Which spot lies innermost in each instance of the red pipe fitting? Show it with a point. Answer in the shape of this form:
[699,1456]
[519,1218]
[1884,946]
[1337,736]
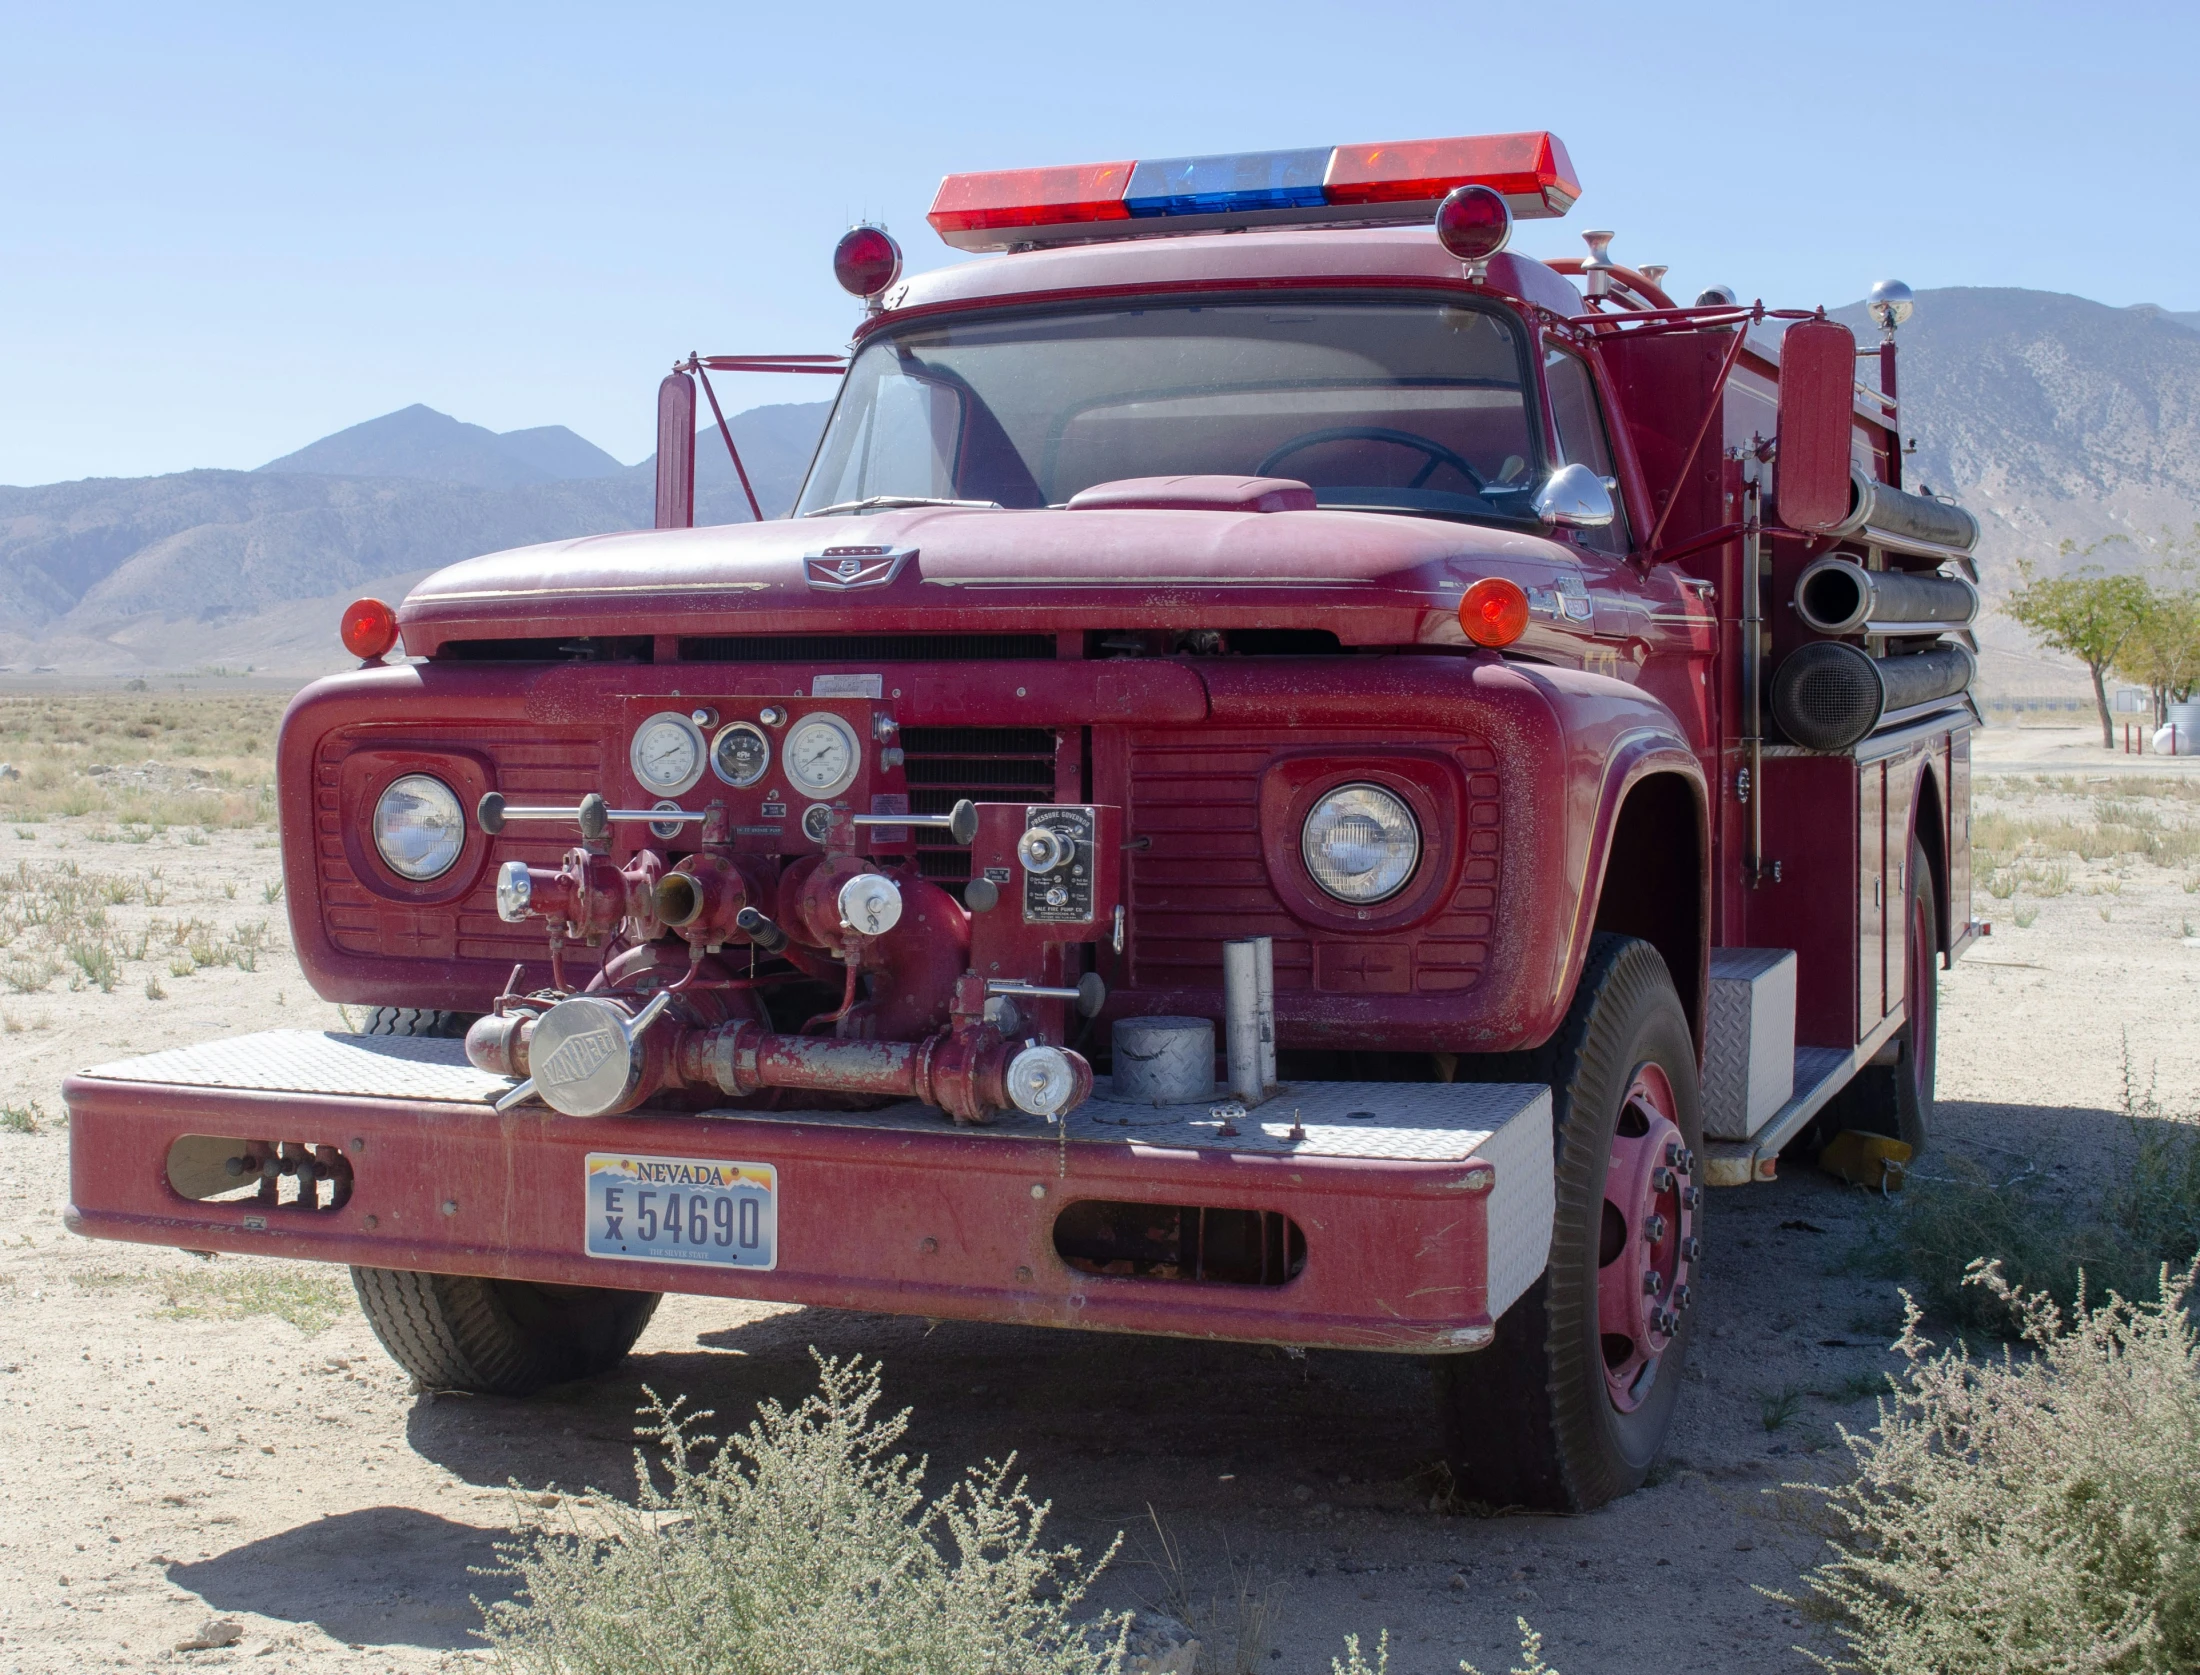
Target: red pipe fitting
[591,894]
[966,1073]
[703,894]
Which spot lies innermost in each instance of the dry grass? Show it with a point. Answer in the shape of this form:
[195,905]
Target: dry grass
[1236,1626]
[87,754]
[59,923]
[2143,1217]
[2040,836]
[312,1296]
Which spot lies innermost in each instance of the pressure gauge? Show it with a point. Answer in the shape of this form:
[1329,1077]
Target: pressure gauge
[667,754]
[822,755]
[741,754]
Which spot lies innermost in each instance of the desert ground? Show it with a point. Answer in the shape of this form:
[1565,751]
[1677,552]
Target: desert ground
[183,1439]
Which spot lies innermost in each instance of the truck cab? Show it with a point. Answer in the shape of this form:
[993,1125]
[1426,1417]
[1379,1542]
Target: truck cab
[1292,775]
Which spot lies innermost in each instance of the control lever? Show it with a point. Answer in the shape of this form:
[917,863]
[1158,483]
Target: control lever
[594,815]
[959,822]
[633,1032]
[767,936]
[1090,994]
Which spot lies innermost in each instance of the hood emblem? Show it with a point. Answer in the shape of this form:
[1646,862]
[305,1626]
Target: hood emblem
[841,568]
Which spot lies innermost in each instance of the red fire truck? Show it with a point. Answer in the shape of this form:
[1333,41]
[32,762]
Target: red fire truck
[1293,776]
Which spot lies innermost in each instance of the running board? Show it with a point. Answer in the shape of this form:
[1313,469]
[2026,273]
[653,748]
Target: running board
[1820,1073]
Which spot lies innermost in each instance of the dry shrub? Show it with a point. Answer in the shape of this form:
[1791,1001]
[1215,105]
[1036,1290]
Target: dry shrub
[2043,1237]
[2038,1514]
[1354,1661]
[801,1547]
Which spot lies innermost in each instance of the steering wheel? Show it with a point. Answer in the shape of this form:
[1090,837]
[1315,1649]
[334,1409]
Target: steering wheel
[1437,453]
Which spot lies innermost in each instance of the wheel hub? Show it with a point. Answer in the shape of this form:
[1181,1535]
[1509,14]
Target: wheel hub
[1647,1248]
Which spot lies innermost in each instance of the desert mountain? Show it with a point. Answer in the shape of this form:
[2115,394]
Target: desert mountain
[230,568]
[2054,419]
[418,441]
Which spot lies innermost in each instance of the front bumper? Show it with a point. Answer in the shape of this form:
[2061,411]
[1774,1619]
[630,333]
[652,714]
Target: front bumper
[1425,1209]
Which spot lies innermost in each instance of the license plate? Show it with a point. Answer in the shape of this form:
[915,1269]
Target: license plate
[683,1209]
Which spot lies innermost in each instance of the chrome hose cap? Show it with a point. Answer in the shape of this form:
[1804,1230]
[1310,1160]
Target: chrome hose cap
[515,891]
[870,904]
[1040,1081]
[583,1057]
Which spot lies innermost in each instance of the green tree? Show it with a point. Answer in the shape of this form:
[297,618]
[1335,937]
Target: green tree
[2089,614]
[2163,652]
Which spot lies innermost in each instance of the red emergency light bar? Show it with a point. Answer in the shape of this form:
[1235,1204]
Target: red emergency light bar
[1392,183]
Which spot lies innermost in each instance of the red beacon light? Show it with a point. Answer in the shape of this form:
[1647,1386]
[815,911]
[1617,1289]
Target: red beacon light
[1494,612]
[1474,224]
[866,261]
[369,629]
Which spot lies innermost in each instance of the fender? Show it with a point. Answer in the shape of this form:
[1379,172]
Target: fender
[1568,748]
[1638,737]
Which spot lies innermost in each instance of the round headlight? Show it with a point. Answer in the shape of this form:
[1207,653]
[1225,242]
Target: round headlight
[1361,843]
[419,827]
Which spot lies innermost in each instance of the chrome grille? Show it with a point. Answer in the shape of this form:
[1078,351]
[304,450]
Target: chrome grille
[985,764]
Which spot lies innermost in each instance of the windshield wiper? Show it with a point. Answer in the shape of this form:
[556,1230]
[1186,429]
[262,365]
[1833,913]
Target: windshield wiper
[896,502]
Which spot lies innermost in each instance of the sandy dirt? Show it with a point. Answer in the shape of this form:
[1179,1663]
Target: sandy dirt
[182,1439]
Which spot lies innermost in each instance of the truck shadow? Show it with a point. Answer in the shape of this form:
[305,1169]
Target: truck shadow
[383,1575]
[1112,1424]
[1127,1420]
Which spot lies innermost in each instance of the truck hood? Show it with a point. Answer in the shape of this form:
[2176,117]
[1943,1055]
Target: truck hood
[1369,578]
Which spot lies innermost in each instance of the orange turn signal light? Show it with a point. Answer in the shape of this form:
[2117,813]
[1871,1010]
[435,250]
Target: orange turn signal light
[1494,612]
[369,629]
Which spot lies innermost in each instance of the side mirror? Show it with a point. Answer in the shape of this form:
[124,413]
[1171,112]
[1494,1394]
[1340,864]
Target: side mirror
[1817,417]
[676,452]
[1574,497]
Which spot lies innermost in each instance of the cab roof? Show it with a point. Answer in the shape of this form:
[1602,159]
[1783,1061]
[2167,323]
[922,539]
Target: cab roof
[1375,257]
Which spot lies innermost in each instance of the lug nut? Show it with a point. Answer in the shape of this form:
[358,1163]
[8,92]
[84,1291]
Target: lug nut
[1652,1283]
[1680,1299]
[1673,1153]
[1691,1249]
[1653,1229]
[1661,1180]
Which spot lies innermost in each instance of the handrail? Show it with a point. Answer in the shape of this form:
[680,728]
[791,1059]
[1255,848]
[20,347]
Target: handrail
[701,367]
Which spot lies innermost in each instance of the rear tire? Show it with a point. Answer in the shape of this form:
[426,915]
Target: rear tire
[1897,1099]
[499,1337]
[1563,1412]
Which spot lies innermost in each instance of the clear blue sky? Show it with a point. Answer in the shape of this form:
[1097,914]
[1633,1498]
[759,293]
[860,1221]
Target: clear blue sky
[226,230]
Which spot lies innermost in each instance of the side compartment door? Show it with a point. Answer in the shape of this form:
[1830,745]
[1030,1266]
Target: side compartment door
[1958,905]
[1902,788]
[1871,895]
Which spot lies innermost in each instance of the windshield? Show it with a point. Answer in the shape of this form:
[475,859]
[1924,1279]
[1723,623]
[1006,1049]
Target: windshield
[1394,406]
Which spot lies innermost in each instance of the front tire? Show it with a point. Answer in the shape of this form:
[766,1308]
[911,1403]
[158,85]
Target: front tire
[492,1337]
[1569,1405]
[499,1337]
[417,1020]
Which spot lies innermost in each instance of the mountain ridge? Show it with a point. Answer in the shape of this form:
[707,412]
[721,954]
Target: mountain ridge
[2056,419]
[418,441]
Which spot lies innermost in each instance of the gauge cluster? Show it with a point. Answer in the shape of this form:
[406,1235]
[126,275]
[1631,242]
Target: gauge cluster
[780,768]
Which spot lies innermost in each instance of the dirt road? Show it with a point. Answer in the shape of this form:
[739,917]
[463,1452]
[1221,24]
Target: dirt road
[182,1439]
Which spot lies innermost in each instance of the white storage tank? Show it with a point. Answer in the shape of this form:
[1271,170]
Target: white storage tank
[2181,737]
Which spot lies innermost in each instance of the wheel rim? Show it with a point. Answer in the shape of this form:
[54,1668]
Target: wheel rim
[1647,1246]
